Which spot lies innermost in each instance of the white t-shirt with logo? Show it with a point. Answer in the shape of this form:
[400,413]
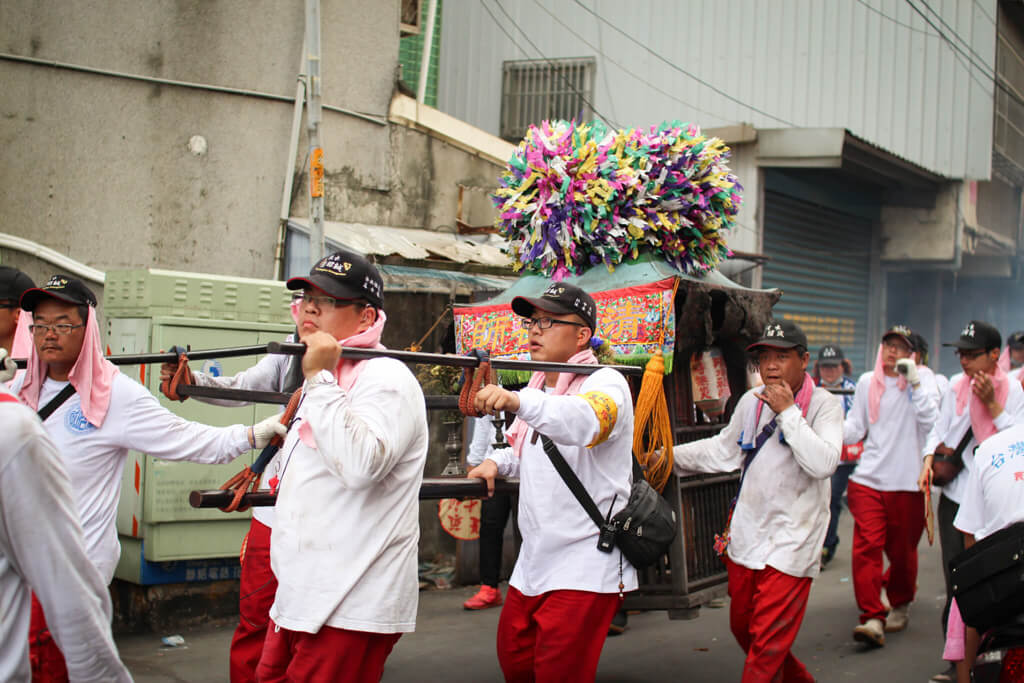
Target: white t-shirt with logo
[95,457]
[994,495]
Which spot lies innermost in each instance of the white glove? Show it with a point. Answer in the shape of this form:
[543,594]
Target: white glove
[8,368]
[907,368]
[263,431]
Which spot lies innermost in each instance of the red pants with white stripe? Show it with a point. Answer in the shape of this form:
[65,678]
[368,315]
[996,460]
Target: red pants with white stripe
[333,655]
[889,522]
[45,657]
[256,595]
[765,613]
[554,637]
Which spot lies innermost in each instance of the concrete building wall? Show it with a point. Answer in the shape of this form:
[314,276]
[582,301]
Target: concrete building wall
[876,68]
[98,166]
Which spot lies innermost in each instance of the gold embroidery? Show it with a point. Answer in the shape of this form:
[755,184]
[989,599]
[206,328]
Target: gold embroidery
[605,410]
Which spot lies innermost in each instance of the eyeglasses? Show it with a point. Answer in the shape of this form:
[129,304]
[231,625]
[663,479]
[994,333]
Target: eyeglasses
[9,305]
[546,323]
[62,329]
[321,301]
[969,355]
[896,346]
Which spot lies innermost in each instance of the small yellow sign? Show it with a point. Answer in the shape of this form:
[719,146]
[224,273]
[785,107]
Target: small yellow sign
[316,173]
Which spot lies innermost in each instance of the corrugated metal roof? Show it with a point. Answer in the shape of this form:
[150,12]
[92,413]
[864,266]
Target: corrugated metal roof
[409,243]
[433,280]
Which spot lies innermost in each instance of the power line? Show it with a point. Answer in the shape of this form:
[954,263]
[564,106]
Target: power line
[553,66]
[955,34]
[994,77]
[896,21]
[625,68]
[682,70]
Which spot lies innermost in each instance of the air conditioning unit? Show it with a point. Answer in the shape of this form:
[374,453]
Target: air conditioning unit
[409,23]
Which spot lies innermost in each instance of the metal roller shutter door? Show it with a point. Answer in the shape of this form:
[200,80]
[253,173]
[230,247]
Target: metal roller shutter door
[821,260]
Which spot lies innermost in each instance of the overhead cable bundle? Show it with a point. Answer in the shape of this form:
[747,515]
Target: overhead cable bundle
[575,195]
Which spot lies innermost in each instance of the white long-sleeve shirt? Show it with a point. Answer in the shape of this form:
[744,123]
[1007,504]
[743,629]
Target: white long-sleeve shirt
[481,446]
[559,550]
[994,495]
[347,530]
[95,457]
[782,513]
[269,374]
[950,428]
[42,550]
[891,460]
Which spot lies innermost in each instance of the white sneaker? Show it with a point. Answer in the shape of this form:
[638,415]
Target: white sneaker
[871,632]
[885,600]
[897,619]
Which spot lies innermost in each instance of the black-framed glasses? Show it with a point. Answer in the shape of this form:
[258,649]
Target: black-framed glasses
[11,305]
[62,329]
[322,301]
[546,323]
[969,354]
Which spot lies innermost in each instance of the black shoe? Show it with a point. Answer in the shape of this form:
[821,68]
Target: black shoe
[618,624]
[826,556]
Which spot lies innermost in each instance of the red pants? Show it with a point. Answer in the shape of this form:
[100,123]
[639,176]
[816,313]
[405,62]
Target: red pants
[889,522]
[555,636]
[45,657]
[256,595]
[334,655]
[765,613]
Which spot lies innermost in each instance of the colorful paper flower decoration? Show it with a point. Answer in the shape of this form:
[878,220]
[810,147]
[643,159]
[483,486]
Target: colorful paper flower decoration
[575,195]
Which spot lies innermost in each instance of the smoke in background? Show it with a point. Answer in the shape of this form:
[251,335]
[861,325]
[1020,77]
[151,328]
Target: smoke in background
[937,305]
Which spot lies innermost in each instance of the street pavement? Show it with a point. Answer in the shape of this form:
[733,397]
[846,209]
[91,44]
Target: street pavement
[451,644]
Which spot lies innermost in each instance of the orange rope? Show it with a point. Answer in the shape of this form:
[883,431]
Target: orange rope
[652,426]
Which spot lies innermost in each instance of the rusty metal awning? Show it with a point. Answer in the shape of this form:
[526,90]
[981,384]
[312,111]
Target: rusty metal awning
[408,243]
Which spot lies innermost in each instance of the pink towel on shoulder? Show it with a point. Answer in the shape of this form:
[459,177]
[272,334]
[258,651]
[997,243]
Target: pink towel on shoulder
[877,387]
[981,419]
[92,376]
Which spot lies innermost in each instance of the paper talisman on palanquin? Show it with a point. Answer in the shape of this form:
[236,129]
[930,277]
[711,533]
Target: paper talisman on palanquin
[460,518]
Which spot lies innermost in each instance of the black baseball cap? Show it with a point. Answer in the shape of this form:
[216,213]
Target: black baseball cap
[903,332]
[1016,341]
[561,298]
[781,334]
[13,283]
[830,354]
[64,288]
[344,275]
[978,335]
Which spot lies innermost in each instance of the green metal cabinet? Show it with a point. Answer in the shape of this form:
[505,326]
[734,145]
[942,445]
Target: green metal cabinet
[163,539]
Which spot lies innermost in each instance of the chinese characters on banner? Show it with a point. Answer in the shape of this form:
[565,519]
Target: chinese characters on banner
[636,321]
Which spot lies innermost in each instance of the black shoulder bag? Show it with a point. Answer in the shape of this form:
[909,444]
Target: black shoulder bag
[55,402]
[988,578]
[643,530]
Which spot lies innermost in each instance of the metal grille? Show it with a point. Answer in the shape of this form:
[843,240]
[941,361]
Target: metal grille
[537,90]
[705,505]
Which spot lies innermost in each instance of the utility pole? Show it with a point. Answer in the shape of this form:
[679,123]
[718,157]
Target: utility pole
[428,43]
[314,93]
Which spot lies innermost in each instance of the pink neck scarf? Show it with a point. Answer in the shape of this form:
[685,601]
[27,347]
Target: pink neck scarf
[1004,360]
[877,387]
[347,371]
[981,420]
[567,383]
[22,345]
[92,376]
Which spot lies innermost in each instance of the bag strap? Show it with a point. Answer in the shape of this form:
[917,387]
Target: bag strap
[759,442]
[572,481]
[959,451]
[56,402]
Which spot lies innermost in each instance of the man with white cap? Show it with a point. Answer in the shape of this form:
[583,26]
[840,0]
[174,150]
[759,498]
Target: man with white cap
[787,455]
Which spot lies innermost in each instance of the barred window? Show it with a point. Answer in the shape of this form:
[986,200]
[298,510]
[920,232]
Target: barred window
[535,90]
